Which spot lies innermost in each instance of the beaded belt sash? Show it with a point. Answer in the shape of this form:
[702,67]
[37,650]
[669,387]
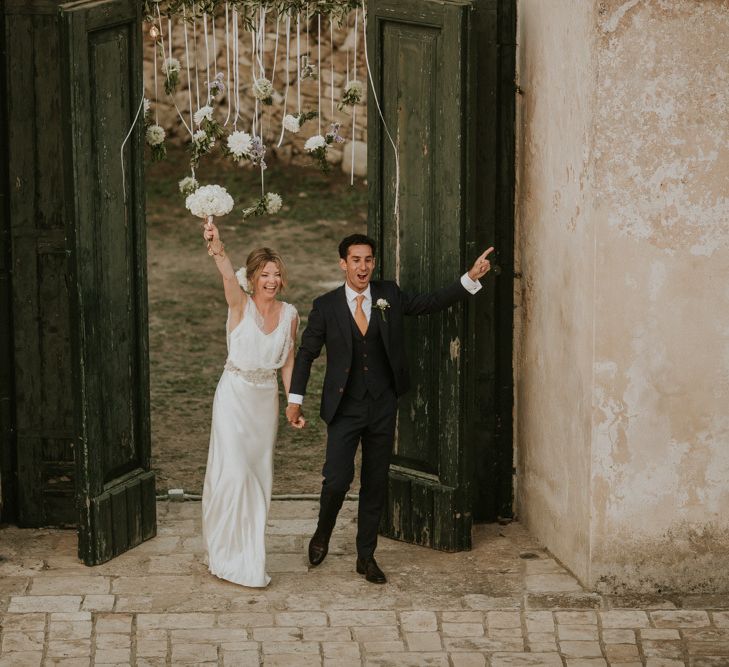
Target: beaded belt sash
[262,376]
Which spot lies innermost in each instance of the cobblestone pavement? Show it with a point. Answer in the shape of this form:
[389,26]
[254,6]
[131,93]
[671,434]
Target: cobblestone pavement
[507,602]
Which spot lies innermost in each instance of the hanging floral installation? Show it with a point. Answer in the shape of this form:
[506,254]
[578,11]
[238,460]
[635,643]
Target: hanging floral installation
[213,115]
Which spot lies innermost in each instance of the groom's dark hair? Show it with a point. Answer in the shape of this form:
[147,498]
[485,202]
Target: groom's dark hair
[355,239]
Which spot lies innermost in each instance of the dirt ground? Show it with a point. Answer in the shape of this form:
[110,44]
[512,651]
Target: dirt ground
[187,308]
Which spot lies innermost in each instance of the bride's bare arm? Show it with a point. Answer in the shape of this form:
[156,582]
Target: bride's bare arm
[234,295]
[288,368]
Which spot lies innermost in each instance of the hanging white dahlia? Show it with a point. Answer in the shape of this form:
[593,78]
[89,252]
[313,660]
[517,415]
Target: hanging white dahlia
[273,202]
[314,143]
[263,90]
[204,113]
[188,185]
[240,143]
[291,123]
[155,135]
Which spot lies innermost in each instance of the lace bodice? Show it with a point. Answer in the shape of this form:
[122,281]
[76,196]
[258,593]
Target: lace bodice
[250,348]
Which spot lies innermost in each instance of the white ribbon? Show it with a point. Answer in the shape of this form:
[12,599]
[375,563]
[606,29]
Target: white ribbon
[396,211]
[286,92]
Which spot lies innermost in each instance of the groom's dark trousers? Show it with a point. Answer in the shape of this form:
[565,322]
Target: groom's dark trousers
[365,375]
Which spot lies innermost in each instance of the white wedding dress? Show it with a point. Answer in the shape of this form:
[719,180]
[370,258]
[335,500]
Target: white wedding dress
[239,475]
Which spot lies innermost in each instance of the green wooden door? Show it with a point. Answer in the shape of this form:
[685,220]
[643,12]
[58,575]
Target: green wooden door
[102,87]
[424,65]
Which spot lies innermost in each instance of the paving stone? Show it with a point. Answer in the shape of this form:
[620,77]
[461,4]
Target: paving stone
[661,649]
[384,647]
[70,616]
[22,659]
[191,620]
[274,647]
[468,660]
[720,618]
[618,636]
[706,634]
[543,647]
[133,603]
[664,662]
[463,617]
[407,660]
[186,654]
[241,658]
[469,644]
[708,648]
[621,652]
[35,621]
[576,617]
[503,619]
[301,618]
[486,602]
[112,656]
[418,621]
[624,618]
[319,634]
[50,585]
[498,633]
[659,633]
[292,660]
[588,662]
[682,618]
[580,649]
[376,633]
[423,641]
[708,661]
[98,603]
[552,583]
[526,660]
[109,641]
[359,618]
[113,623]
[152,648]
[44,603]
[29,640]
[245,620]
[539,621]
[69,630]
[577,632]
[277,634]
[70,648]
[562,601]
[342,662]
[462,629]
[340,650]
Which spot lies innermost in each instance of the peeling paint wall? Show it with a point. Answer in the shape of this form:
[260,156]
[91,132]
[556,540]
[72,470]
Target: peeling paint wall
[638,256]
[555,254]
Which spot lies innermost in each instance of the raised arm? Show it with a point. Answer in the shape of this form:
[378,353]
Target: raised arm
[432,302]
[234,295]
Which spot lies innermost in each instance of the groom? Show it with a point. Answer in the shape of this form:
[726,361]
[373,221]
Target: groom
[361,324]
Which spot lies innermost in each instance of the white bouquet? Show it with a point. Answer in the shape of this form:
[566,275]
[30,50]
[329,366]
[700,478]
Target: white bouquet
[209,200]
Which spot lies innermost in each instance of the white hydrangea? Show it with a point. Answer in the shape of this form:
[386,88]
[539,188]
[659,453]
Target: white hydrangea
[209,200]
[188,185]
[262,89]
[315,142]
[155,135]
[354,87]
[291,123]
[171,65]
[240,143]
[204,113]
[200,137]
[273,203]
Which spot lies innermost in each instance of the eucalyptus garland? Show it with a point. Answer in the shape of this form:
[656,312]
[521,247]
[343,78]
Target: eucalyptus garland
[247,9]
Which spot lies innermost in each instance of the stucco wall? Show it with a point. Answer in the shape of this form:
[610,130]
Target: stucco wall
[639,404]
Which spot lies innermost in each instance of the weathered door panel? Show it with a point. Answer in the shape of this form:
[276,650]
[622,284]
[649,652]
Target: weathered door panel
[421,80]
[102,89]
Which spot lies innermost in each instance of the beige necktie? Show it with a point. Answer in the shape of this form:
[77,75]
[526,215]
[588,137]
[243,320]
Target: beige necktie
[359,316]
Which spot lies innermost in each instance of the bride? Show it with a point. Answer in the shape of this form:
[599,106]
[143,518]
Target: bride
[261,331]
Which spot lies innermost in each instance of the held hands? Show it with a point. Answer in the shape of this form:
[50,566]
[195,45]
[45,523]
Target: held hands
[481,266]
[295,415]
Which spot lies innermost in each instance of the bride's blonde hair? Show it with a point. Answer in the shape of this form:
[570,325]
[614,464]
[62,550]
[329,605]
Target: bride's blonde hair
[257,260]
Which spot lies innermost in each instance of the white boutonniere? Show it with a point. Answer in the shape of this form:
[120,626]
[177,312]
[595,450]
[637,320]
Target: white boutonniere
[382,305]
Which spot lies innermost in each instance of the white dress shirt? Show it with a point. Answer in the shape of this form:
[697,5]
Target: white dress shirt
[471,286]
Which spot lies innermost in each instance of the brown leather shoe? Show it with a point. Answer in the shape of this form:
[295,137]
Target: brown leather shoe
[318,548]
[368,567]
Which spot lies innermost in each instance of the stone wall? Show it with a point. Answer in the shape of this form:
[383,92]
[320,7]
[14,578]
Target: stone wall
[330,83]
[623,347]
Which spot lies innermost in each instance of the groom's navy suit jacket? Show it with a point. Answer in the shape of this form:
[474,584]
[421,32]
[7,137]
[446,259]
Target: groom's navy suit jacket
[330,324]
